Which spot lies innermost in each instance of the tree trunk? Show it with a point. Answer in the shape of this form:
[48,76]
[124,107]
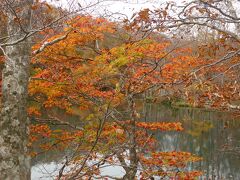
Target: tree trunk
[132,169]
[14,158]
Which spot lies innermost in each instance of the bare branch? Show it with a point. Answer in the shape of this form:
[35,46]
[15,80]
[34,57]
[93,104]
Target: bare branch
[46,44]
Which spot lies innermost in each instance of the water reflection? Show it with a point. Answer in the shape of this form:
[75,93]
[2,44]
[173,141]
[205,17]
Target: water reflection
[215,136]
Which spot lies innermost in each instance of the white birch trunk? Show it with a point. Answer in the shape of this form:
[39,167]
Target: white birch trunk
[14,158]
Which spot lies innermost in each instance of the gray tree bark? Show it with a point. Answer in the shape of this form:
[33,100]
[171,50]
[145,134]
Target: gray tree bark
[14,158]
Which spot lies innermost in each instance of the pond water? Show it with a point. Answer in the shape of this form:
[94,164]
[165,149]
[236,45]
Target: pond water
[215,136]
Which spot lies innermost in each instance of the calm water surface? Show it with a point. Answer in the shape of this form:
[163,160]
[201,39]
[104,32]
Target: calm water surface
[215,136]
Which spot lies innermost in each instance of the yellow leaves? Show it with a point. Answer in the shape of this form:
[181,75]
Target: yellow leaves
[121,61]
[89,117]
[130,53]
[117,87]
[118,51]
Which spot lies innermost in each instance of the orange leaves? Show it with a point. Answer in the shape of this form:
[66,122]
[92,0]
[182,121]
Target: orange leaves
[33,111]
[163,126]
[43,4]
[160,164]
[84,30]
[67,73]
[90,28]
[143,17]
[141,61]
[112,131]
[42,130]
[144,14]
[48,139]
[152,49]
[175,158]
[180,65]
[71,75]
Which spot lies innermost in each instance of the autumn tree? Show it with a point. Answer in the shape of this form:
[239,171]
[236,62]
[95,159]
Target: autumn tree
[75,76]
[20,18]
